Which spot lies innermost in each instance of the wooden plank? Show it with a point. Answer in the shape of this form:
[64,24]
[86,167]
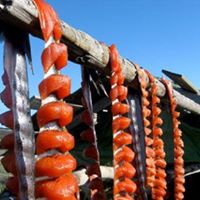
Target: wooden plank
[4,131]
[35,103]
[181,80]
[82,47]
[106,173]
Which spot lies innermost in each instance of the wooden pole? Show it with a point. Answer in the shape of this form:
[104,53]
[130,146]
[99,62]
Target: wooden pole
[82,47]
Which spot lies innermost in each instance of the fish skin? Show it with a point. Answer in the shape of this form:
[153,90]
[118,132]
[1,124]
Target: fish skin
[15,75]
[95,182]
[138,141]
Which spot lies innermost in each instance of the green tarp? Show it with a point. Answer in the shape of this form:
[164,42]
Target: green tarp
[191,137]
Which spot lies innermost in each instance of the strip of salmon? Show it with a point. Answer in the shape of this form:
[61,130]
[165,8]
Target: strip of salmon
[160,182]
[125,154]
[55,84]
[8,162]
[150,165]
[54,115]
[6,96]
[50,21]
[87,135]
[55,165]
[120,123]
[7,120]
[55,111]
[123,139]
[179,170]
[62,188]
[54,139]
[126,185]
[7,142]
[54,54]
[95,182]
[119,108]
[123,172]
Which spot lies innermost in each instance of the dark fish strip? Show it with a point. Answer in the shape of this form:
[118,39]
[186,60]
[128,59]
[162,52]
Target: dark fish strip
[15,69]
[137,131]
[87,103]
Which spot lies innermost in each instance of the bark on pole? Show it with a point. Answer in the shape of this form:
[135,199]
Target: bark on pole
[82,47]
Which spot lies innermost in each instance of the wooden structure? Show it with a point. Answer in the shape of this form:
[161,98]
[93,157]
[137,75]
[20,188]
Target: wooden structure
[84,49]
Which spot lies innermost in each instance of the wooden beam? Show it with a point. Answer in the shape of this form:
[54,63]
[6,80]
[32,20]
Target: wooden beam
[106,173]
[83,48]
[181,80]
[4,131]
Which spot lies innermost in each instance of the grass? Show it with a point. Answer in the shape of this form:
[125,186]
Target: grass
[3,177]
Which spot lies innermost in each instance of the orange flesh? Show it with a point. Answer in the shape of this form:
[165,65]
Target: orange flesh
[120,123]
[126,185]
[123,139]
[54,54]
[126,154]
[53,189]
[123,155]
[119,108]
[56,165]
[64,187]
[49,20]
[126,169]
[53,139]
[55,111]
[56,83]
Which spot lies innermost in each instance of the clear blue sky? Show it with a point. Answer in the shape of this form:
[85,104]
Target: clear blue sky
[157,34]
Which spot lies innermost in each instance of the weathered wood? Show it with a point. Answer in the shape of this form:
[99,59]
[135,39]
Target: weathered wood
[83,48]
[107,173]
[182,81]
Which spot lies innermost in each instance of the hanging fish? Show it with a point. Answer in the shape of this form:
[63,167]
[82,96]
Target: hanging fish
[137,132]
[93,171]
[19,159]
[54,163]
[179,170]
[124,171]
[160,183]
[146,112]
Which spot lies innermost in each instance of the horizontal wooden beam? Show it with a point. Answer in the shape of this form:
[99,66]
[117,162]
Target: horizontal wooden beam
[82,47]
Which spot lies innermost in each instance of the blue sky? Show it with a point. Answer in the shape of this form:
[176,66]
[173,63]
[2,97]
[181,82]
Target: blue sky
[157,34]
